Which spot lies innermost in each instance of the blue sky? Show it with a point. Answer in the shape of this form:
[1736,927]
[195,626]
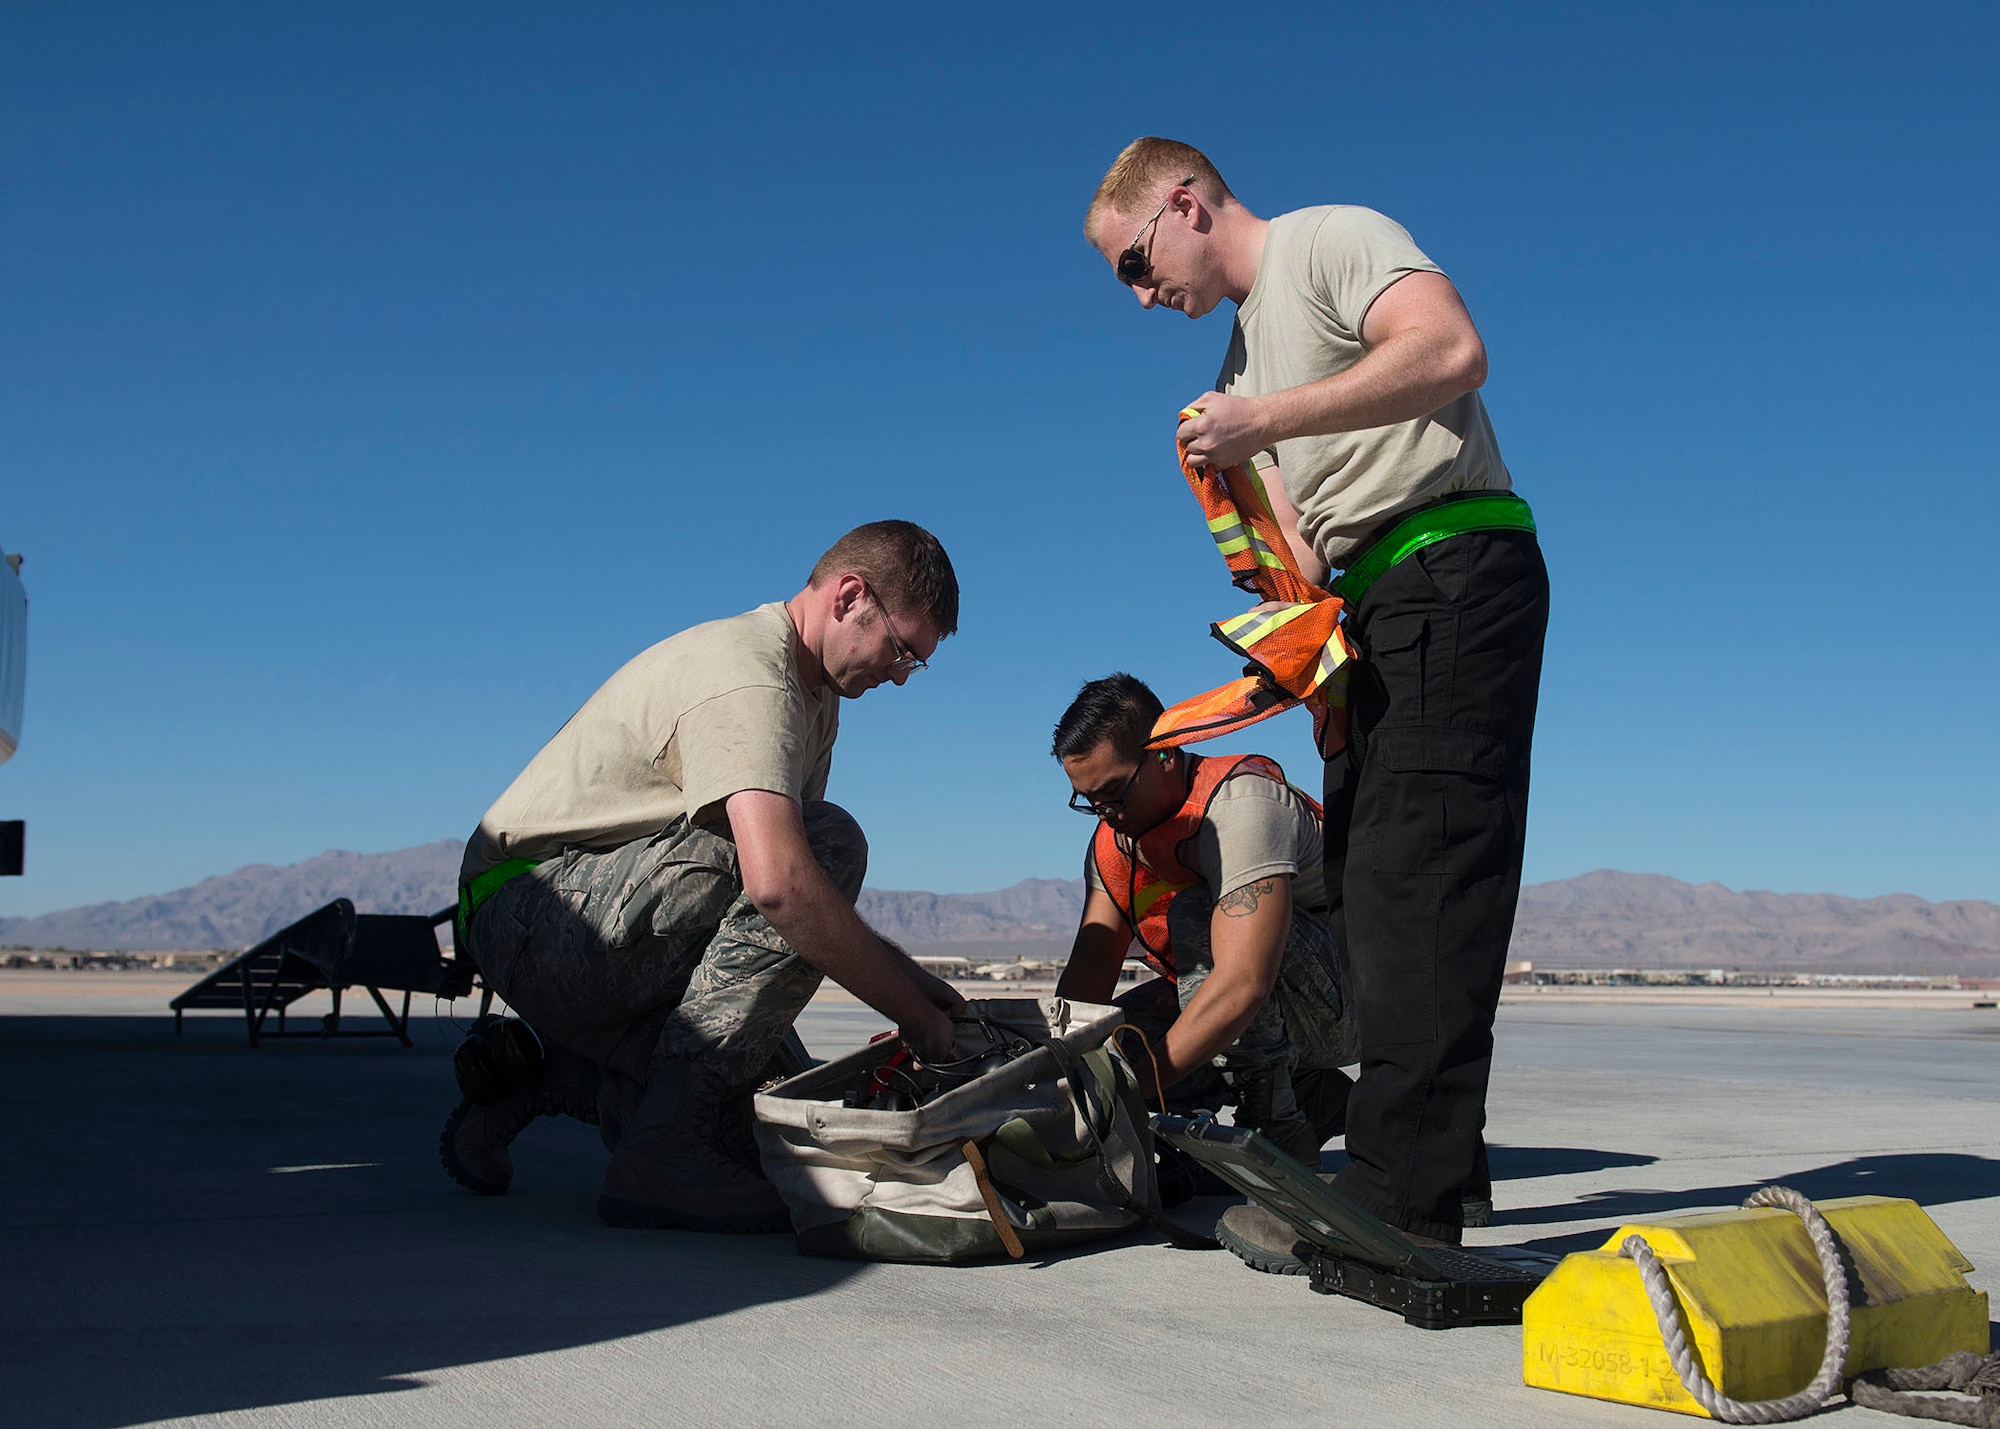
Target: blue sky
[378,379]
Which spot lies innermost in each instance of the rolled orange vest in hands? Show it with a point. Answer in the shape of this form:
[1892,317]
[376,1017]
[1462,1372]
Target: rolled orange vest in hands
[1292,636]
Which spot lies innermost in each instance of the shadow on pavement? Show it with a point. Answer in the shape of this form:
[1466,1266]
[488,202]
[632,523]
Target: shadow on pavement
[193,1226]
[1929,1178]
[1524,1163]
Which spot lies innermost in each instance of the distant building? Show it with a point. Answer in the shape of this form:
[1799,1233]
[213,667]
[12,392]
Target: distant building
[1035,970]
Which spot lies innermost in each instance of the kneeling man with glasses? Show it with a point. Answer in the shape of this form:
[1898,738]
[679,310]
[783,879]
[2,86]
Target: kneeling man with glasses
[1212,864]
[660,891]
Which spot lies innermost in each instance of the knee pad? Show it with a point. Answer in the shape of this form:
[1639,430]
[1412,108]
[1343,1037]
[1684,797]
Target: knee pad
[499,1056]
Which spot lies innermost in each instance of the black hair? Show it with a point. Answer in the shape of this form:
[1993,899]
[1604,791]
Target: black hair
[1119,708]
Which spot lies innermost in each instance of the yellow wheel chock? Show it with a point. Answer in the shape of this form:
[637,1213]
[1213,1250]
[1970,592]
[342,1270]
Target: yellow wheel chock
[1752,1298]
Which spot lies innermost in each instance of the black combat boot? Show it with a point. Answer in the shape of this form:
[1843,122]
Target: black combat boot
[1476,1196]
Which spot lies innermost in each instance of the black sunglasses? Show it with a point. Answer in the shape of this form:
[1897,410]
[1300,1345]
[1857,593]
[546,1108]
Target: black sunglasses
[1100,808]
[1135,264]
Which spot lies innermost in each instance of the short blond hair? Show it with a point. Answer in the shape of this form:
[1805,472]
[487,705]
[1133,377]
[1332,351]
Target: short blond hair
[1141,174]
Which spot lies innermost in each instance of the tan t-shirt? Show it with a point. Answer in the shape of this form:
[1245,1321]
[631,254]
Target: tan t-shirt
[704,714]
[1255,828]
[1301,321]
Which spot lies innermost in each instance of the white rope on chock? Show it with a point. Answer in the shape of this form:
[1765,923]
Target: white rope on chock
[1762,1411]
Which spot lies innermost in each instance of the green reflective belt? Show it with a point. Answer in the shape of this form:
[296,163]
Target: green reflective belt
[1483,511]
[471,895]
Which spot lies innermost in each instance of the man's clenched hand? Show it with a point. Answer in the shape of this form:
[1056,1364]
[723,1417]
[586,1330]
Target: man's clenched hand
[1224,430]
[930,1031]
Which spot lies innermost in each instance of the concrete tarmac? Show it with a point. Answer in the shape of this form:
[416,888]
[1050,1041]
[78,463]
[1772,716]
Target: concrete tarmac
[198,1232]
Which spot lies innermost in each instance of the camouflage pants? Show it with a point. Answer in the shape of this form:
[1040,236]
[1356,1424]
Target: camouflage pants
[1307,1021]
[652,951]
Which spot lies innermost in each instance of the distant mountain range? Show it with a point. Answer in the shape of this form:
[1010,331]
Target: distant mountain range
[234,910]
[1644,920]
[1602,919]
[1034,910]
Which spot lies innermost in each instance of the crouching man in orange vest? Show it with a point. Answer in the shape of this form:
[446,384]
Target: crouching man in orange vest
[1213,865]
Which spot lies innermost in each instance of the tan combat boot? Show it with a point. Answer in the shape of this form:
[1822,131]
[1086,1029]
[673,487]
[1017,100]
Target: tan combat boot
[1262,1241]
[476,1137]
[474,1145]
[671,1170]
[1269,1243]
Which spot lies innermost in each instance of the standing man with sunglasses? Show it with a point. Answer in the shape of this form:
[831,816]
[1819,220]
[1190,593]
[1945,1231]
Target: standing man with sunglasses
[1213,866]
[660,891]
[1350,381]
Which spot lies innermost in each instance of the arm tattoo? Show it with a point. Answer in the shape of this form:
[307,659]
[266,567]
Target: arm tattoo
[1245,900]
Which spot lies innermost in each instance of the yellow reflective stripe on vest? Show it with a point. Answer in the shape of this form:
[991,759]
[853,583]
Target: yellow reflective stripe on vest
[1232,538]
[1243,633]
[1331,659]
[1231,535]
[1248,628]
[1296,664]
[1151,893]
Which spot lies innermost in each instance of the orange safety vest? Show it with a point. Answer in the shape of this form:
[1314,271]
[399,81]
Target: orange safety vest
[1293,635]
[1143,887]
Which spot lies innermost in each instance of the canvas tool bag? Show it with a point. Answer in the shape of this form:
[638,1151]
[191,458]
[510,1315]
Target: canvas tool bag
[1049,1149]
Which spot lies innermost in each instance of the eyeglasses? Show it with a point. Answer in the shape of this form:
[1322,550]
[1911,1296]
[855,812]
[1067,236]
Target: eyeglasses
[1135,264]
[907,662]
[1104,808]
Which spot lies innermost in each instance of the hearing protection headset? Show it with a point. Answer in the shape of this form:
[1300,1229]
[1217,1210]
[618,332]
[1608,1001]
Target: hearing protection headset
[499,1056]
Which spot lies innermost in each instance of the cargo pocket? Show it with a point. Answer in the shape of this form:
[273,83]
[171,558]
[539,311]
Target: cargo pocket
[1444,799]
[1395,655]
[672,888]
[573,915]
[686,886]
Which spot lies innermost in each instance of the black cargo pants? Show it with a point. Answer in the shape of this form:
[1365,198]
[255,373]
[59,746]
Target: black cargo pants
[1426,819]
